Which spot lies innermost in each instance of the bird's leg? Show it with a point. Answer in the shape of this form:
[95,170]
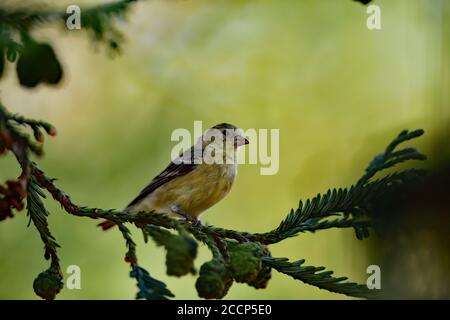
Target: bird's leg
[191,219]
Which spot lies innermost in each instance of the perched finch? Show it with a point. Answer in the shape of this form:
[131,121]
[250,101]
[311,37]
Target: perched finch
[196,180]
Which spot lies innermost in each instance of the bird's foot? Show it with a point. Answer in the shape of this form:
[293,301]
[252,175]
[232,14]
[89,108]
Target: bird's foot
[193,220]
[196,222]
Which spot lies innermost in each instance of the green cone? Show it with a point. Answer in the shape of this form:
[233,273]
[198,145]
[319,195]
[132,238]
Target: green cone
[48,284]
[214,280]
[246,264]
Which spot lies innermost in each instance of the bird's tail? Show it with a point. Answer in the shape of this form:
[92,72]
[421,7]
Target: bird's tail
[106,225]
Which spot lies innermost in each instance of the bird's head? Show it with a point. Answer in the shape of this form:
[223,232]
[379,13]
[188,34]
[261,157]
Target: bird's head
[223,135]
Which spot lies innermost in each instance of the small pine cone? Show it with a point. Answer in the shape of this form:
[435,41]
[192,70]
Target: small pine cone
[245,261]
[48,284]
[265,274]
[180,256]
[262,279]
[214,281]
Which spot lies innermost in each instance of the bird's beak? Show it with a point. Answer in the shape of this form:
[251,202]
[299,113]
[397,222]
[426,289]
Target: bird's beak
[240,141]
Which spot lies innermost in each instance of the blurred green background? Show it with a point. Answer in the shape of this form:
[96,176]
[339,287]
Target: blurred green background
[337,91]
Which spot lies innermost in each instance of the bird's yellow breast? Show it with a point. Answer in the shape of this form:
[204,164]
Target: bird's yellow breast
[194,192]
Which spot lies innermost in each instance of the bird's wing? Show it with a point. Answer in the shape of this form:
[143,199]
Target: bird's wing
[183,166]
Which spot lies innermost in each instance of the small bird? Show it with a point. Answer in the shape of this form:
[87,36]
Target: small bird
[196,180]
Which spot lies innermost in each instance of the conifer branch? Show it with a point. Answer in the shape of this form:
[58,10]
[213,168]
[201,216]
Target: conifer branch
[390,157]
[149,287]
[319,277]
[38,215]
[97,19]
[350,206]
[37,62]
[338,208]
[48,284]
[236,256]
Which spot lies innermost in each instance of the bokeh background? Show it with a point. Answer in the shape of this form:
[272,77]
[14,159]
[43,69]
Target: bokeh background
[337,91]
